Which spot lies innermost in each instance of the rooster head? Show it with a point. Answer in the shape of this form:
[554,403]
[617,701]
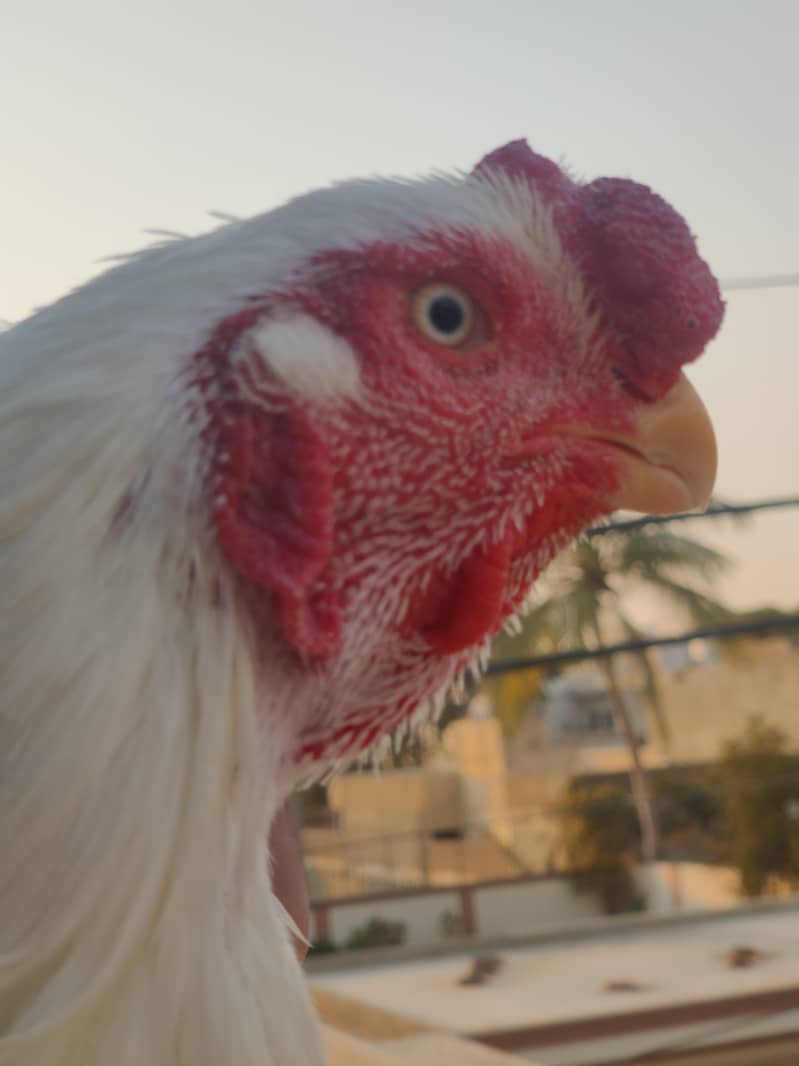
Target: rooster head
[404,432]
[265,494]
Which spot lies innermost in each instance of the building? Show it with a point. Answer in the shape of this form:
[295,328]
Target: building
[708,702]
[575,709]
[485,810]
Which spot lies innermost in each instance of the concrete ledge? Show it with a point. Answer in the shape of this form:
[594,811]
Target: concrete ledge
[362,1020]
[440,1049]
[357,1034]
[604,928]
[435,1049]
[344,1050]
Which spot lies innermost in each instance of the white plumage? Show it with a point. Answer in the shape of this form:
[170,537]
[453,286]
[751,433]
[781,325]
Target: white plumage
[140,749]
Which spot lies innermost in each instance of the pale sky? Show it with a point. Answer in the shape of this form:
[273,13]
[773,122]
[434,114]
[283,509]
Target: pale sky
[117,118]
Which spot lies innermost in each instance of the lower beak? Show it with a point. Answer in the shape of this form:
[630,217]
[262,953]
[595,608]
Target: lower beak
[670,461]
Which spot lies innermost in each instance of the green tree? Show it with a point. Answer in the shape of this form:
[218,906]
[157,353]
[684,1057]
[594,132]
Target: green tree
[584,607]
[757,781]
[601,838]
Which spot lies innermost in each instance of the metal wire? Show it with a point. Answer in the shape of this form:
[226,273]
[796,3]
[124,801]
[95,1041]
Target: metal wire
[627,525]
[772,281]
[780,623]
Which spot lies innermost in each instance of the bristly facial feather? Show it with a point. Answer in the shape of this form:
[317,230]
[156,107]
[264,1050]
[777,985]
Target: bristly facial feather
[391,528]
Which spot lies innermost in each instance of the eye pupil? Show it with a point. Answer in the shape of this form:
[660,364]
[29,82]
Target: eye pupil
[446,315]
[443,314]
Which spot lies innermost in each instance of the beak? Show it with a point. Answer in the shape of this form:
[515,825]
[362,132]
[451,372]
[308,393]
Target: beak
[670,461]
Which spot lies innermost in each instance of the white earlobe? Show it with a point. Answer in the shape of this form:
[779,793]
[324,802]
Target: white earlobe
[307,357]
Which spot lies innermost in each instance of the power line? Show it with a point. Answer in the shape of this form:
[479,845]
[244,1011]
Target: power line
[773,281]
[777,624]
[712,511]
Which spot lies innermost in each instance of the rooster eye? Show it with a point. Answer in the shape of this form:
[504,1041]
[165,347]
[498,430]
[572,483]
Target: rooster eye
[444,314]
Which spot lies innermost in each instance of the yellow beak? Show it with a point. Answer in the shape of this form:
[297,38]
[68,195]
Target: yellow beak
[670,462]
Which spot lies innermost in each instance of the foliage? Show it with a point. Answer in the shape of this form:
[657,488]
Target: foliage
[757,783]
[601,842]
[584,608]
[585,605]
[685,804]
[377,933]
[321,947]
[451,924]
[688,817]
[309,805]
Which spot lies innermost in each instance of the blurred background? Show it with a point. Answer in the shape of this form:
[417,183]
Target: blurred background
[593,857]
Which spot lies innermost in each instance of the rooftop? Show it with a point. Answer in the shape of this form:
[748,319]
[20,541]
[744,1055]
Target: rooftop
[571,996]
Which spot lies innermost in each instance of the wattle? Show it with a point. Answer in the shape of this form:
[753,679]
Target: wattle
[460,610]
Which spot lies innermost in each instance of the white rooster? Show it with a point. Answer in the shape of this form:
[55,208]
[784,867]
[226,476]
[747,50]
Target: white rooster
[264,494]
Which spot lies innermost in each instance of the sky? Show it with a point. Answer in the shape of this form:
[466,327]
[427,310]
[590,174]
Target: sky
[118,118]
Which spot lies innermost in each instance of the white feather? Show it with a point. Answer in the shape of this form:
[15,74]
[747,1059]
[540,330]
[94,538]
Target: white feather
[140,747]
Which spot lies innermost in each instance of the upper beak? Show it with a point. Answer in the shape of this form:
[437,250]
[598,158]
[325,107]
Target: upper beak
[670,461]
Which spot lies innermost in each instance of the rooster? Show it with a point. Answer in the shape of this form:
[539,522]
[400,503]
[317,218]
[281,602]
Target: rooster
[265,495]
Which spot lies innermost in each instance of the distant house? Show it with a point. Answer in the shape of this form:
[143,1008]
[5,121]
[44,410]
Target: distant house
[677,657]
[575,708]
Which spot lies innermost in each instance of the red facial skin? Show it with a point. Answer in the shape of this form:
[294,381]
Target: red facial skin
[399,506]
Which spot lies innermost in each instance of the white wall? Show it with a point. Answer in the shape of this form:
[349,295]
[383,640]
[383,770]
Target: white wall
[521,907]
[507,909]
[514,908]
[688,886]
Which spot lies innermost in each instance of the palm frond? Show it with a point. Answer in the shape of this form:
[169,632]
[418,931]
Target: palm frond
[565,620]
[702,609]
[645,552]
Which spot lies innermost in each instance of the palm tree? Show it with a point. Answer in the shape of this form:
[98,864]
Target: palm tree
[584,607]
[513,693]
